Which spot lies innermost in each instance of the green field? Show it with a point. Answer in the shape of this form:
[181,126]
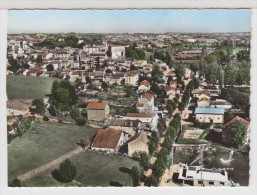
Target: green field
[28,87]
[43,143]
[148,54]
[93,169]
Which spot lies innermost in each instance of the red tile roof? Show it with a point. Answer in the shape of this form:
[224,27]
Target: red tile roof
[170,88]
[148,96]
[140,105]
[171,72]
[96,105]
[235,119]
[203,99]
[145,83]
[107,138]
[131,74]
[140,115]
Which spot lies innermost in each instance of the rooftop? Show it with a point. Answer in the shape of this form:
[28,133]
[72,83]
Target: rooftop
[140,115]
[107,138]
[209,110]
[96,105]
[235,119]
[124,123]
[145,83]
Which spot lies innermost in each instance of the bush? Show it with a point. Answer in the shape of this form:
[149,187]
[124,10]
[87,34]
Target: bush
[45,118]
[15,183]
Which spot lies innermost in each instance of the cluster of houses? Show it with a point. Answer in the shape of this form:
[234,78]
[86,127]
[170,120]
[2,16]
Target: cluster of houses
[210,109]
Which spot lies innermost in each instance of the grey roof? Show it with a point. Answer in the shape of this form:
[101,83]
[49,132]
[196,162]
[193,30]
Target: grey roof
[209,110]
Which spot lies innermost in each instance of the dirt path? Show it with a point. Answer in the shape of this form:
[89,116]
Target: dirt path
[39,170]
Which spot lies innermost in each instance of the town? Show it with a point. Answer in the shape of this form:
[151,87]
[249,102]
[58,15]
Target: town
[140,109]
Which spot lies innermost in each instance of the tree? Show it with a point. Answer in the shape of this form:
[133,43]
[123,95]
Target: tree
[170,109]
[14,65]
[144,160]
[221,78]
[152,181]
[230,76]
[50,67]
[108,71]
[68,171]
[135,174]
[39,104]
[181,106]
[63,95]
[237,132]
[129,90]
[157,74]
[88,79]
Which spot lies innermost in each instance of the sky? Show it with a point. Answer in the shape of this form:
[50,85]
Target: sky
[131,21]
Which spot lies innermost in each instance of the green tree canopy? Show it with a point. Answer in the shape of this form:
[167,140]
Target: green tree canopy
[63,95]
[39,104]
[237,132]
[50,67]
[68,171]
[135,174]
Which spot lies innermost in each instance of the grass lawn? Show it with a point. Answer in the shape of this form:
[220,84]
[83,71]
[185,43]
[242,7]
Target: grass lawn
[28,87]
[96,169]
[43,143]
[93,169]
[148,54]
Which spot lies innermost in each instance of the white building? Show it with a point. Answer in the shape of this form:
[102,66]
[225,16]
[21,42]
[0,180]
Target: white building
[200,176]
[117,51]
[150,120]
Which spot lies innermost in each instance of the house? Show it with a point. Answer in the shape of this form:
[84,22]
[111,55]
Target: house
[226,137]
[108,140]
[114,78]
[138,144]
[214,91]
[117,51]
[97,111]
[171,92]
[140,107]
[220,103]
[16,108]
[203,102]
[131,78]
[129,127]
[209,115]
[204,96]
[144,86]
[199,91]
[146,102]
[200,176]
[187,73]
[149,121]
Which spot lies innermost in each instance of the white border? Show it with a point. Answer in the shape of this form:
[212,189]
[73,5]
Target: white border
[125,4]
[110,4]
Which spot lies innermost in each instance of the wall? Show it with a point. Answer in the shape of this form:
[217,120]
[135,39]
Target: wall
[206,118]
